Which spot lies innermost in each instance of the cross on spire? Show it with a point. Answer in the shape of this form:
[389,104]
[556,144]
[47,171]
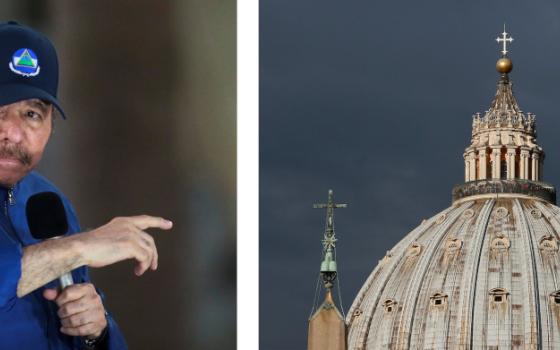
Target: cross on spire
[504,40]
[328,265]
[330,205]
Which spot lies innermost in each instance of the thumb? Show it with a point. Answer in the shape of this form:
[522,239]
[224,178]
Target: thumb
[50,294]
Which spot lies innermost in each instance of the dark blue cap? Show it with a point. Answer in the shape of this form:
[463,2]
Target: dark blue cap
[28,65]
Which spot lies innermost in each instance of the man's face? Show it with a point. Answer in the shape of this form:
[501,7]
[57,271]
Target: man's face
[25,128]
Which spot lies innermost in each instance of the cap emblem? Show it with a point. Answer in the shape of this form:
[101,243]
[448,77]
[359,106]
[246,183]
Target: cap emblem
[25,62]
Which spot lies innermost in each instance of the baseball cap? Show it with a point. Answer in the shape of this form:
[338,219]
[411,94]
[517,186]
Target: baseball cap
[28,65]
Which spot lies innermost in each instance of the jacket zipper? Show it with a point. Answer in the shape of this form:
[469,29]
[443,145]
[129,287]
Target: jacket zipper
[9,201]
[11,198]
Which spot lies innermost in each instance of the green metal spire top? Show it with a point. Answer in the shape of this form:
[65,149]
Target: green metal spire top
[328,265]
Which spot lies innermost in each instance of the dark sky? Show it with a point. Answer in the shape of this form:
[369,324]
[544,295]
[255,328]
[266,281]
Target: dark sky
[374,99]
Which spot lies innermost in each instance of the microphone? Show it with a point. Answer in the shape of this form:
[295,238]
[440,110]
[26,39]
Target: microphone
[46,218]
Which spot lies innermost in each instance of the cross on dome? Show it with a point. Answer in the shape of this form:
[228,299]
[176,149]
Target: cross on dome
[504,40]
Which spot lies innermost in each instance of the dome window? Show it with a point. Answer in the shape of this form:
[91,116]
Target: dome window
[498,295]
[453,244]
[438,299]
[535,213]
[414,250]
[389,305]
[500,243]
[467,214]
[548,243]
[357,312]
[555,297]
[501,213]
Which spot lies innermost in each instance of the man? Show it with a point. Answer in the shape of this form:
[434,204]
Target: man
[34,313]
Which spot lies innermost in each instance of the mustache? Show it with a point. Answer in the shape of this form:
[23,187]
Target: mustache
[15,151]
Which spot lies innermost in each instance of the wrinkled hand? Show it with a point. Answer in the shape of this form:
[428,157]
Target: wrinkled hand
[123,238]
[80,310]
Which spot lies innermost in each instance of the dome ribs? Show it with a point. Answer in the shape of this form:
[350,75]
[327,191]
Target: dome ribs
[432,321]
[369,297]
[465,315]
[410,299]
[550,260]
[492,315]
[494,263]
[532,314]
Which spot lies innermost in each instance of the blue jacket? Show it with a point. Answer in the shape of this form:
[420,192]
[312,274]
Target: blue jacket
[31,322]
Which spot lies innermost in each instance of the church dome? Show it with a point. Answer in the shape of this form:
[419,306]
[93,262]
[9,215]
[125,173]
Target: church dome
[483,273]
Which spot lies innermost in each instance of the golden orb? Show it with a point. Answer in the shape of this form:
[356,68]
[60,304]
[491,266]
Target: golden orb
[504,65]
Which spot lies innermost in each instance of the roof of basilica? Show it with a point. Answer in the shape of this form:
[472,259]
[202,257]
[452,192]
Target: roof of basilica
[483,273]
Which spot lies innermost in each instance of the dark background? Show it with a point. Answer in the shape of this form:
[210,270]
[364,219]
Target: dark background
[374,99]
[149,89]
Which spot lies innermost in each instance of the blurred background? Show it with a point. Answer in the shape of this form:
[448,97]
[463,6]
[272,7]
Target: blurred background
[149,90]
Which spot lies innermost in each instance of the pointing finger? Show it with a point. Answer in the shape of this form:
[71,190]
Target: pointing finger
[144,222]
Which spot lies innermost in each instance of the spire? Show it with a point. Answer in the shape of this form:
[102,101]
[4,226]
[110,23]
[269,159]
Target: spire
[328,265]
[327,330]
[504,110]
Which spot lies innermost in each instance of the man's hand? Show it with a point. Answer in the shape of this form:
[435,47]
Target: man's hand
[122,238]
[80,310]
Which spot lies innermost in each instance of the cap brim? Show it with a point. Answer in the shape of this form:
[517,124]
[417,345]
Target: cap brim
[11,93]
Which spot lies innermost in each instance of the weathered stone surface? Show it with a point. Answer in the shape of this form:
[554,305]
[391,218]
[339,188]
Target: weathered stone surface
[488,280]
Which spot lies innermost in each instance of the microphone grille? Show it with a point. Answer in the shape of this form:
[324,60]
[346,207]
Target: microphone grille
[46,215]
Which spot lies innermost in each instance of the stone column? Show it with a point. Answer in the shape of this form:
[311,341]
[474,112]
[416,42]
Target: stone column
[524,164]
[495,163]
[482,174]
[535,166]
[510,156]
[472,166]
[466,167]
